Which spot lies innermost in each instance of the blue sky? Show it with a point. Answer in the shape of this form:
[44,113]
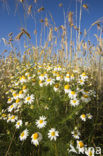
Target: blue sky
[12,16]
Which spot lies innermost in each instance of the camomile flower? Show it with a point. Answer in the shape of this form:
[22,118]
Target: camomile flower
[21,94]
[72,77]
[85,98]
[49,81]
[56,87]
[67,74]
[9,100]
[53,134]
[58,77]
[4,116]
[83,117]
[42,77]
[36,138]
[76,134]
[13,118]
[84,76]
[41,83]
[72,94]
[23,79]
[74,102]
[24,88]
[90,152]
[18,124]
[66,89]
[11,107]
[59,68]
[41,122]
[67,78]
[29,99]
[80,146]
[81,82]
[15,95]
[29,77]
[54,73]
[89,116]
[24,135]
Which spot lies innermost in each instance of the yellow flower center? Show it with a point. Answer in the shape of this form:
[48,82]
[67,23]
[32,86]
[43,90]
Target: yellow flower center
[42,75]
[18,123]
[90,153]
[17,100]
[74,101]
[72,92]
[13,117]
[81,144]
[35,136]
[23,77]
[11,106]
[40,82]
[81,81]
[48,80]
[66,87]
[22,134]
[9,99]
[14,95]
[41,121]
[83,116]
[20,92]
[28,98]
[72,75]
[52,133]
[85,96]
[56,85]
[24,87]
[67,77]
[83,74]
[3,115]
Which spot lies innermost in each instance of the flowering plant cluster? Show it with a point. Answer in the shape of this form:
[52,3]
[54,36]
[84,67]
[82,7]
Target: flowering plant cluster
[47,104]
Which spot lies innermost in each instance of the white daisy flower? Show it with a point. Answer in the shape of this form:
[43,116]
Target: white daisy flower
[89,116]
[21,94]
[18,124]
[72,77]
[84,76]
[9,100]
[42,77]
[56,87]
[13,118]
[36,138]
[53,134]
[41,83]
[83,117]
[49,81]
[72,94]
[24,88]
[67,78]
[76,134]
[81,82]
[85,98]
[23,79]
[90,152]
[74,102]
[66,89]
[29,99]
[15,95]
[11,107]
[80,146]
[58,78]
[24,135]
[41,122]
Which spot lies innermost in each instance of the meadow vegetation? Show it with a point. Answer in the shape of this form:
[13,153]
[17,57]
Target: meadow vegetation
[51,99]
